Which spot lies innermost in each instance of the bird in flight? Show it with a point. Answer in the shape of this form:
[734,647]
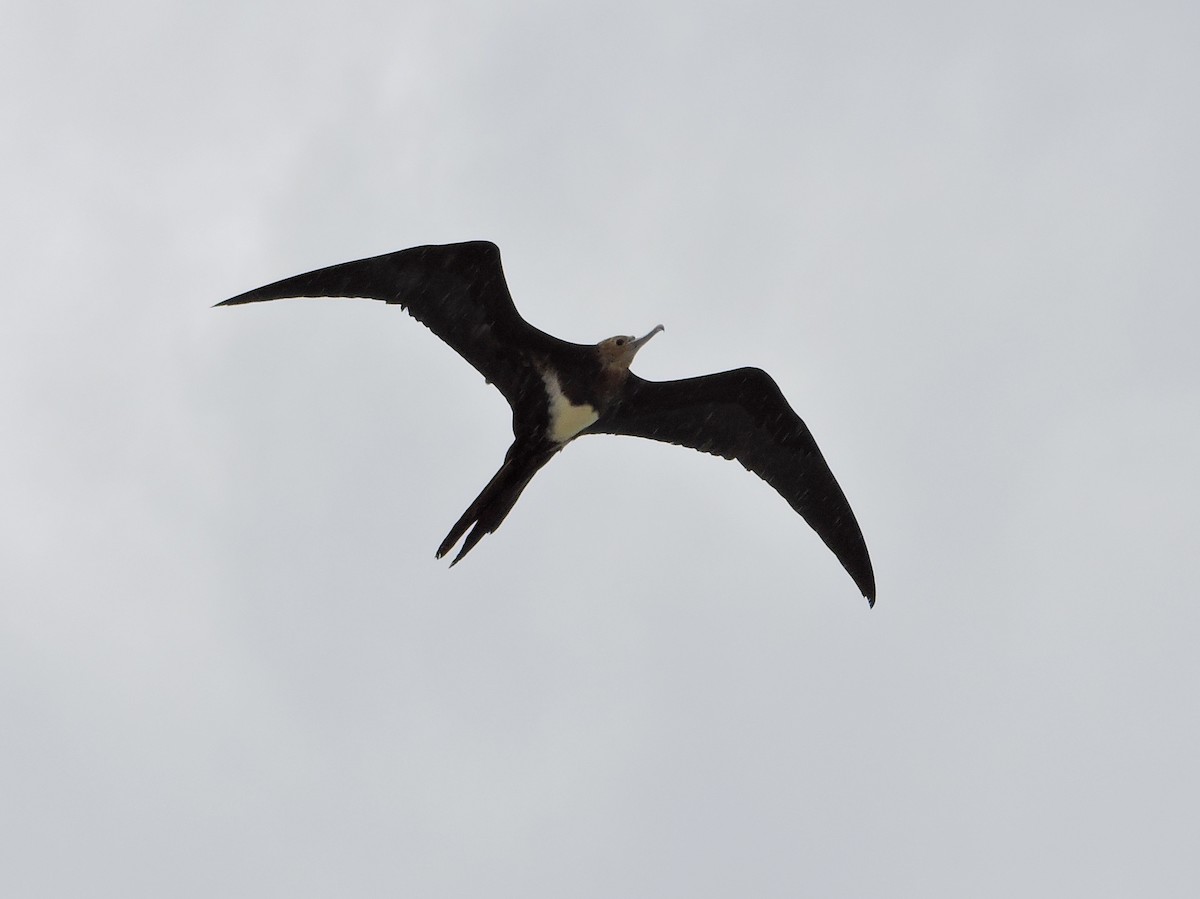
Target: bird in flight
[559,391]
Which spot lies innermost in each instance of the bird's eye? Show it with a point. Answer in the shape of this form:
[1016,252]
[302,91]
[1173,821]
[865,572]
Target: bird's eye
[620,341]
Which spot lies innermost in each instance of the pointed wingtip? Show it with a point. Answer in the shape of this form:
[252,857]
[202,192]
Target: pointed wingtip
[868,589]
[864,577]
[240,300]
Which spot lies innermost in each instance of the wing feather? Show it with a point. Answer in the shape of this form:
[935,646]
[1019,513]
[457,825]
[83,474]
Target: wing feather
[456,290]
[742,414]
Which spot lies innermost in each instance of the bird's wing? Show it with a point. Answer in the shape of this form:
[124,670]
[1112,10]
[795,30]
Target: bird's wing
[743,415]
[457,290]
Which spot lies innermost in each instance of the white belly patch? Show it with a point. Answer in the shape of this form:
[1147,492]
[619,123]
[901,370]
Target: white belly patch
[566,419]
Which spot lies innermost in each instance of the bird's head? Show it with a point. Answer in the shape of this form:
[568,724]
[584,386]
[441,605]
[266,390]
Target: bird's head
[618,352]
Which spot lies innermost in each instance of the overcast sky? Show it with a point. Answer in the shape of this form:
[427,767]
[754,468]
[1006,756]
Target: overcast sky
[961,237]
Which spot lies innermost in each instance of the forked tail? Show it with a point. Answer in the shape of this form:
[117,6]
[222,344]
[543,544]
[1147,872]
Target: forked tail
[492,506]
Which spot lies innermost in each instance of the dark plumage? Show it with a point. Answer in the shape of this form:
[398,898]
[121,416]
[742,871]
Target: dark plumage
[560,390]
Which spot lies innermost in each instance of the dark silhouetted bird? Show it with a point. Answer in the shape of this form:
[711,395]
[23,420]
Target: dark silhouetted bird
[559,391]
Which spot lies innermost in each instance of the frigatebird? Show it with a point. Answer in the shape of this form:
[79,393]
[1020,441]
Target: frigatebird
[559,391]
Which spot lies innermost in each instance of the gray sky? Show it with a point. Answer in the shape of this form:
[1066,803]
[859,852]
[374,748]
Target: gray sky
[961,237]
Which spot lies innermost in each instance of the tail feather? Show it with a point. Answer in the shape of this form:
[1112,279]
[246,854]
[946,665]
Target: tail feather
[493,504]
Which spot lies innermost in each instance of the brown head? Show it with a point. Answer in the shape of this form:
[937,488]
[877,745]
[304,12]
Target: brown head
[618,352]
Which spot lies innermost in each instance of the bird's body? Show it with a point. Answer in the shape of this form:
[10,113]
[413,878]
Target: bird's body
[559,391]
